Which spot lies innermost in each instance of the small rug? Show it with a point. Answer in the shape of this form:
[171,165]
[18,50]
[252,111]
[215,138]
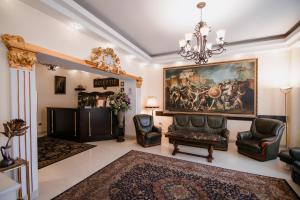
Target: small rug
[52,150]
[138,175]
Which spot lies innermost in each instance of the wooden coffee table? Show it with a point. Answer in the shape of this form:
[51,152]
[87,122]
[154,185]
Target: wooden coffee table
[201,140]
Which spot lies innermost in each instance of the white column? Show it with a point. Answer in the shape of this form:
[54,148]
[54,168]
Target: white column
[23,105]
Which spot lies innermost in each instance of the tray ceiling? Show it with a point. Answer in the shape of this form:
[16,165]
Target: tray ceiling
[155,26]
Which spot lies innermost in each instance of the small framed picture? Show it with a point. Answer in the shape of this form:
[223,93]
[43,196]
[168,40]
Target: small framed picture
[122,90]
[60,85]
[122,83]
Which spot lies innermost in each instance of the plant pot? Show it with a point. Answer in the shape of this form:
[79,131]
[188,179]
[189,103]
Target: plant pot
[7,160]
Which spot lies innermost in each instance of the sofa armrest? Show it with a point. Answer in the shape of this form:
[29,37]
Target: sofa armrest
[244,135]
[295,153]
[156,129]
[225,133]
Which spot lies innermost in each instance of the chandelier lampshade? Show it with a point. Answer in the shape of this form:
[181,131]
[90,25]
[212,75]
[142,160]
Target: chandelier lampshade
[195,47]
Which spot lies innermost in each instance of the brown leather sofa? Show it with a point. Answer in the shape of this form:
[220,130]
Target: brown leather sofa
[262,141]
[208,124]
[146,133]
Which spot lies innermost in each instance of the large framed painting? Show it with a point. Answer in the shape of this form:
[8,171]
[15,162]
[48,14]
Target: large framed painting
[223,88]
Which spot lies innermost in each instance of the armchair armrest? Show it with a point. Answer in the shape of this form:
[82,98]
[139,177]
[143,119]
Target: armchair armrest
[244,135]
[266,141]
[295,153]
[171,128]
[156,129]
[225,133]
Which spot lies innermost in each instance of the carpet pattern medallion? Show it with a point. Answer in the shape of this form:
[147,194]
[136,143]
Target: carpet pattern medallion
[52,150]
[138,175]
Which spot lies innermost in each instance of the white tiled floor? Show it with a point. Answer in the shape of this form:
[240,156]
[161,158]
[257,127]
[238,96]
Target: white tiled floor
[60,176]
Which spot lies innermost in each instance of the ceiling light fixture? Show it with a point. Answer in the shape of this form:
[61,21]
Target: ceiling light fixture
[76,26]
[198,49]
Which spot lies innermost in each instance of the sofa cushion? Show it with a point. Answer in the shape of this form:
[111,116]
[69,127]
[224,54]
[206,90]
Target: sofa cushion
[198,121]
[250,145]
[285,156]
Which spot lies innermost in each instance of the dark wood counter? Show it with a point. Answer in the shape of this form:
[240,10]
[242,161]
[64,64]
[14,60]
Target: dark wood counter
[84,125]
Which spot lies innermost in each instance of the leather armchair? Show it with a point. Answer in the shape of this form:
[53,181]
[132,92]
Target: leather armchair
[262,141]
[146,133]
[292,157]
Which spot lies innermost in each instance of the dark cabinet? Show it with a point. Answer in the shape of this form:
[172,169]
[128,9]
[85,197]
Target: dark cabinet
[62,122]
[82,124]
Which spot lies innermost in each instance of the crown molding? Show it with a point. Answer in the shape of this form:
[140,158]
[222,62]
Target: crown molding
[73,11]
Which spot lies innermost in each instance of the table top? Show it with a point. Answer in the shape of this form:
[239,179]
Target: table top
[198,137]
[18,163]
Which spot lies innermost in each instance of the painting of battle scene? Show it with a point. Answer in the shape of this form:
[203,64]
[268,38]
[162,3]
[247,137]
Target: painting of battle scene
[227,88]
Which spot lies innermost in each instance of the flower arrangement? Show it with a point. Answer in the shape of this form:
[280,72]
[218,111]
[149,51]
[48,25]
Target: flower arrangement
[15,127]
[119,101]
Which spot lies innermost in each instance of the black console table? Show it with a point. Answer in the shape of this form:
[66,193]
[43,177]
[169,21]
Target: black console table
[82,124]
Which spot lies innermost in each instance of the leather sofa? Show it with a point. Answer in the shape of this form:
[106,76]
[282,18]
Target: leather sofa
[146,133]
[292,157]
[208,124]
[262,141]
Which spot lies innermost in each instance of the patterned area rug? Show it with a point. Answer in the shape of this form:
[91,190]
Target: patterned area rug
[138,175]
[52,150]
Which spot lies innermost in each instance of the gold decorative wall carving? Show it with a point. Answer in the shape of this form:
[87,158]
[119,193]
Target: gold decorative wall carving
[23,55]
[16,55]
[106,60]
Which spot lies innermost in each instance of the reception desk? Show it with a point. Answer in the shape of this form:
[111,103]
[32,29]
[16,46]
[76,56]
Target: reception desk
[82,124]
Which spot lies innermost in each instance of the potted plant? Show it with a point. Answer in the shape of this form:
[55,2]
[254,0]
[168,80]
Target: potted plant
[119,103]
[15,127]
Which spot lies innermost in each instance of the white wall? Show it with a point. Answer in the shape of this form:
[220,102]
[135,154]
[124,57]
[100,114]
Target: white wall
[48,98]
[294,98]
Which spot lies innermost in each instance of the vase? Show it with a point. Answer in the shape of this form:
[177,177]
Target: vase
[121,118]
[7,160]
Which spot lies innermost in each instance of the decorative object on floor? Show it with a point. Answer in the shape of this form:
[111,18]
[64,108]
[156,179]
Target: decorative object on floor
[292,157]
[285,90]
[146,133]
[199,130]
[147,176]
[120,103]
[106,82]
[199,49]
[225,88]
[15,127]
[151,103]
[80,88]
[52,150]
[60,84]
[262,141]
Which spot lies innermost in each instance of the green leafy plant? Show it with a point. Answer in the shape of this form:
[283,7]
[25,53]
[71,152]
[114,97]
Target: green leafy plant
[15,127]
[119,101]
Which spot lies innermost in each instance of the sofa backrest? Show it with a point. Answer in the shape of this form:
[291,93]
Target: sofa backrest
[201,123]
[265,128]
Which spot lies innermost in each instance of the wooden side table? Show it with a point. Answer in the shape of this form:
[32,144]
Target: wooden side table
[18,165]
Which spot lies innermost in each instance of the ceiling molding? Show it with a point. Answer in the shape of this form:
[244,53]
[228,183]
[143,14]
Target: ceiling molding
[73,11]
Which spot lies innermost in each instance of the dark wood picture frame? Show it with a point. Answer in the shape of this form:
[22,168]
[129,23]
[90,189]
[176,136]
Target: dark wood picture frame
[60,84]
[200,89]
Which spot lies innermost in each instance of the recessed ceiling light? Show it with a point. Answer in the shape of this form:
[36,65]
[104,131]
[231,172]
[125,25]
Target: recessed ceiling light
[76,26]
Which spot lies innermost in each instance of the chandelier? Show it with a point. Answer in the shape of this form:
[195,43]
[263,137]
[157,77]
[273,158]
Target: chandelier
[195,46]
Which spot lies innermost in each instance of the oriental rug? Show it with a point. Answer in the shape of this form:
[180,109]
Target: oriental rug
[52,150]
[138,175]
